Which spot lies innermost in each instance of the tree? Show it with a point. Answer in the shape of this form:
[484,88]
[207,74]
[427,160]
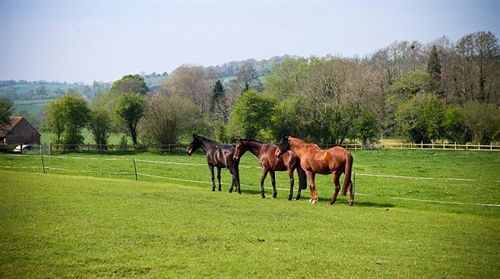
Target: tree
[190,82]
[454,125]
[68,115]
[54,119]
[100,126]
[247,76]
[421,118]
[218,100]
[6,108]
[130,84]
[251,115]
[167,118]
[409,84]
[366,127]
[130,109]
[483,120]
[434,70]
[478,53]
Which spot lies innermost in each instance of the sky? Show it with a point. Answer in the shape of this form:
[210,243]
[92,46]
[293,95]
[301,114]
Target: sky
[104,40]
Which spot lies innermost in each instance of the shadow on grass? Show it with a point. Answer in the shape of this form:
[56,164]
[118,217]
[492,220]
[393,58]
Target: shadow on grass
[342,200]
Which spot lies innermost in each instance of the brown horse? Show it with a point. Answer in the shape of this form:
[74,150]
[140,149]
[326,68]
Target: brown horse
[218,155]
[265,152]
[335,160]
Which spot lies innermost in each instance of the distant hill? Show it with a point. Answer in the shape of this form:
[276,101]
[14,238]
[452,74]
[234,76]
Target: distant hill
[23,90]
[46,90]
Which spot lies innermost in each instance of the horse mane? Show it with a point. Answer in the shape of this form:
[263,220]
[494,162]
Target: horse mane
[202,138]
[254,140]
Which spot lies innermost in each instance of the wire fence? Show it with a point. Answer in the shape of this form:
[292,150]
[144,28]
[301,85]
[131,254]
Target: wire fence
[133,168]
[52,148]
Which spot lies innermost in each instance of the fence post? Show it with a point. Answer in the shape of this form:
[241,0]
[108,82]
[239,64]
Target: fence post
[135,168]
[43,164]
[353,184]
[491,145]
[421,145]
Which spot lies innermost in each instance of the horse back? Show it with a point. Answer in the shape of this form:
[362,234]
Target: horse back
[222,156]
[268,159]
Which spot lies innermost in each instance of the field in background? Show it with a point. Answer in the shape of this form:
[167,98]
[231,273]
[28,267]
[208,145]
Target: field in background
[33,107]
[416,214]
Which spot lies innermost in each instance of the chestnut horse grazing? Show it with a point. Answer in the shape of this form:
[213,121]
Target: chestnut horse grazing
[266,152]
[335,160]
[218,155]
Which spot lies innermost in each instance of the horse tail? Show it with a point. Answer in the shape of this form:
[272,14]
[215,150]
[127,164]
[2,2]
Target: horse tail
[302,176]
[347,170]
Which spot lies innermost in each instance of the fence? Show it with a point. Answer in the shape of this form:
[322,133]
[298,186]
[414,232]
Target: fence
[180,148]
[138,169]
[414,146]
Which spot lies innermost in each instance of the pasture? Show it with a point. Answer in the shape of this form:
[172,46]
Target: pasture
[417,214]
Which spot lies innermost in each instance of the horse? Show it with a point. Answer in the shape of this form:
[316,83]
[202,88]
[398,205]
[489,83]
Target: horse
[265,152]
[335,160]
[218,155]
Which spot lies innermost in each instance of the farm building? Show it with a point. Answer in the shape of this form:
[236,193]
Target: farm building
[19,131]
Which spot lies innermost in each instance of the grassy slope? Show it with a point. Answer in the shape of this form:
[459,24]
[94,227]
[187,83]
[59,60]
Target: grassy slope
[63,226]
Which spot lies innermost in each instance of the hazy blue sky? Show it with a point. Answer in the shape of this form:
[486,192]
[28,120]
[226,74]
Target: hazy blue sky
[104,40]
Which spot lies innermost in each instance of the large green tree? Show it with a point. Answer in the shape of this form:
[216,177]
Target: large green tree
[67,116]
[251,116]
[100,123]
[421,118]
[483,120]
[130,84]
[6,108]
[130,109]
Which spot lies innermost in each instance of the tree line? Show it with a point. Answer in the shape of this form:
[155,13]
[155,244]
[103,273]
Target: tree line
[442,91]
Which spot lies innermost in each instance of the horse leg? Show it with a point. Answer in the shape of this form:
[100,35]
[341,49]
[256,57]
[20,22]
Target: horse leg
[237,178]
[262,178]
[273,181]
[336,178]
[290,174]
[312,187]
[218,178]
[211,168]
[351,194]
[231,170]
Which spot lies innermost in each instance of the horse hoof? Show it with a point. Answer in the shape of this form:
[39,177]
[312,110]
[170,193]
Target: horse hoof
[275,195]
[314,201]
[262,196]
[289,198]
[297,198]
[213,189]
[351,203]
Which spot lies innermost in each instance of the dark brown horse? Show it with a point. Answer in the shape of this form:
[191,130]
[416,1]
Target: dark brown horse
[335,160]
[266,153]
[218,155]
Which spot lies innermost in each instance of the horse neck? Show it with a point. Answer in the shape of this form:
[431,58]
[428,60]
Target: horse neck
[253,147]
[207,144]
[297,146]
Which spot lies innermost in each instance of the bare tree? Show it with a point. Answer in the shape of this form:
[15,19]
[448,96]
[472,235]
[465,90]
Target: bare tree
[191,82]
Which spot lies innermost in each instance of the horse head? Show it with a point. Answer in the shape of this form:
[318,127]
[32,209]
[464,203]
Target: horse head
[283,146]
[194,145]
[239,149]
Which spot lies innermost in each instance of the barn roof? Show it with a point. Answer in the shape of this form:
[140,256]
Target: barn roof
[14,120]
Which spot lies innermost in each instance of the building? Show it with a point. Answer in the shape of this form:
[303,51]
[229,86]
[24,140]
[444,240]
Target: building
[19,131]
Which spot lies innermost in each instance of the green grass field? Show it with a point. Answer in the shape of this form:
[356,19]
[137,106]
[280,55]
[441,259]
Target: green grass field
[33,107]
[425,214]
